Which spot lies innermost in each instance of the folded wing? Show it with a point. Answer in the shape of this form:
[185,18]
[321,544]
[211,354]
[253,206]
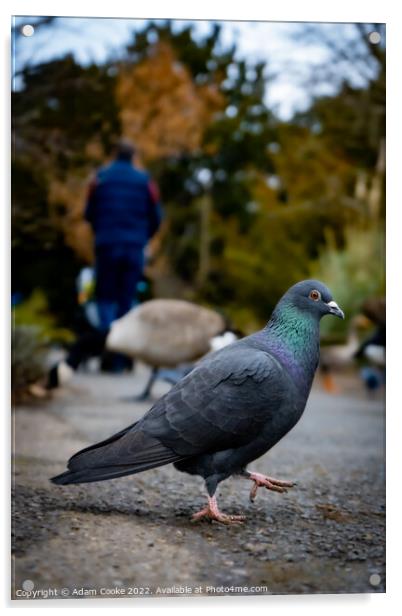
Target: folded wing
[223,403]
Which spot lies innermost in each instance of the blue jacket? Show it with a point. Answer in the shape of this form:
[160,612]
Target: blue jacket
[123,205]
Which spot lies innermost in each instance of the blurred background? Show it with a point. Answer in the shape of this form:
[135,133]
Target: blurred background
[267,141]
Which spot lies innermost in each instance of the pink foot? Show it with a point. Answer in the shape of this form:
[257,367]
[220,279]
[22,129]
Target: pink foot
[212,512]
[261,481]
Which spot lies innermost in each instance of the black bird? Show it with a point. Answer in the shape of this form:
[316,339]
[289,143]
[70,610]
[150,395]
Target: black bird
[232,408]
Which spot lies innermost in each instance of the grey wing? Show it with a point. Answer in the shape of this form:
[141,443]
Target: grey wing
[224,402]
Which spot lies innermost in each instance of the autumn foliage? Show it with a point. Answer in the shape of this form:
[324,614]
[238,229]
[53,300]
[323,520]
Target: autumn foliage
[251,201]
[162,109]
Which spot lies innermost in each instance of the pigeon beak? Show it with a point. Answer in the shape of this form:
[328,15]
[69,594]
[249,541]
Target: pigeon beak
[335,310]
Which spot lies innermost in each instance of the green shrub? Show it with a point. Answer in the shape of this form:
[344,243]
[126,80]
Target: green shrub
[35,311]
[353,273]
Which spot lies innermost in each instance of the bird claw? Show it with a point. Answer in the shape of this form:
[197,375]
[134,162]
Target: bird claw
[212,512]
[223,518]
[261,481]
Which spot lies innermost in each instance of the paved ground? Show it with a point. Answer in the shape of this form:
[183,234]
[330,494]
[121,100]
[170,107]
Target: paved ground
[133,536]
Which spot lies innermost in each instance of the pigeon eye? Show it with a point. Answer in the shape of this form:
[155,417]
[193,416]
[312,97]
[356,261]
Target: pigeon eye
[315,295]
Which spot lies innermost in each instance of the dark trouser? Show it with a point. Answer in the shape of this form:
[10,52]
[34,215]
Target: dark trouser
[118,271]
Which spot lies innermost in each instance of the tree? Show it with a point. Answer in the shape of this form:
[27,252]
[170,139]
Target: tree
[200,119]
[64,120]
[351,122]
[161,108]
[249,199]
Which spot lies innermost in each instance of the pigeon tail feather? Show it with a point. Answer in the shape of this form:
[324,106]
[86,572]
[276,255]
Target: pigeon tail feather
[127,452]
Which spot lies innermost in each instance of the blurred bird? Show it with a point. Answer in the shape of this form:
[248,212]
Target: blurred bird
[160,332]
[90,344]
[372,349]
[174,375]
[338,357]
[372,377]
[233,407]
[165,332]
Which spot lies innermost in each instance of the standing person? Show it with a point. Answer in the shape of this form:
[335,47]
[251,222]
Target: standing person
[124,210]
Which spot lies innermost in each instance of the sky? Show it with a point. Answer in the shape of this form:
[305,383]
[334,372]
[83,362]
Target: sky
[289,55]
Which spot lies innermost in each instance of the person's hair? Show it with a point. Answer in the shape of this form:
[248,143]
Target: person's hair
[125,150]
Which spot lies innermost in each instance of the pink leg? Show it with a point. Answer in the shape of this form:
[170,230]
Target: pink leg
[270,483]
[212,512]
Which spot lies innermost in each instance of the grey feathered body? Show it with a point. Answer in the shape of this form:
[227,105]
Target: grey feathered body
[231,409]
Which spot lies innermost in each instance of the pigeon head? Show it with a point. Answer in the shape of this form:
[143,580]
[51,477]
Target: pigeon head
[312,297]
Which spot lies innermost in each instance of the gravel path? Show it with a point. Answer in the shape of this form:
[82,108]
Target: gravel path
[133,536]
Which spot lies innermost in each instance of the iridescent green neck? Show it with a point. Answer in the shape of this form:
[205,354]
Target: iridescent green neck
[294,338]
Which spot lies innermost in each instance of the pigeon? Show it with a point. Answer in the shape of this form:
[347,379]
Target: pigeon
[233,407]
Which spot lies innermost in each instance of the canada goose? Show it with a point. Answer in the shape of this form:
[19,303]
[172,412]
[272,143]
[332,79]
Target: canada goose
[165,333]
[372,349]
[90,344]
[338,357]
[173,375]
[161,333]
